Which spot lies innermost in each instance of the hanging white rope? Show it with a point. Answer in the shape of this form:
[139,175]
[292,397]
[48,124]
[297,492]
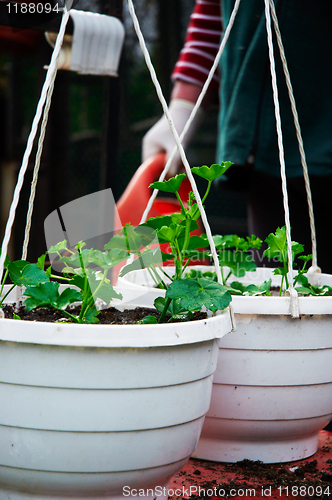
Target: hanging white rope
[36,169]
[49,76]
[34,181]
[196,107]
[294,304]
[314,269]
[176,137]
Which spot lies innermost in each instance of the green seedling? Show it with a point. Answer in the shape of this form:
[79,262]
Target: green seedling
[85,274]
[237,288]
[277,249]
[238,261]
[176,232]
[21,273]
[234,255]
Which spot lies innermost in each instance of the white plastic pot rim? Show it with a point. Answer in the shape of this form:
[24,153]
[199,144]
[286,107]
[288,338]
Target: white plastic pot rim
[280,305]
[90,335]
[248,305]
[116,335]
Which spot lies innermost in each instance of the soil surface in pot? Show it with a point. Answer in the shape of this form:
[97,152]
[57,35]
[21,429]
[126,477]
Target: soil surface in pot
[110,316]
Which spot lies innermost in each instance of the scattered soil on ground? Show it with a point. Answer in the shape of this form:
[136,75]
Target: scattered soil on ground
[266,480]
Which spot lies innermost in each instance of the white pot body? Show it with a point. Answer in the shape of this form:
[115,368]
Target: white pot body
[87,410]
[272,390]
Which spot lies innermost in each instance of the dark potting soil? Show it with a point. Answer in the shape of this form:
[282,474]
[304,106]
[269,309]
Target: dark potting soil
[110,316]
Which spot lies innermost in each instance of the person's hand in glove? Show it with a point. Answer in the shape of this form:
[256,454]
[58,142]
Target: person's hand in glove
[160,138]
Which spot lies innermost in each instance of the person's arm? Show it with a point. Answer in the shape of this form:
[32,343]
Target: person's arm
[190,72]
[201,45]
[190,92]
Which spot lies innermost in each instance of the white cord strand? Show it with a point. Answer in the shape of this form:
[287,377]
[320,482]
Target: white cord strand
[292,292]
[36,169]
[176,137]
[196,107]
[314,268]
[52,68]
[34,182]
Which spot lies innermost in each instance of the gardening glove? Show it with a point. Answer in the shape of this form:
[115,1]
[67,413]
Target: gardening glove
[160,138]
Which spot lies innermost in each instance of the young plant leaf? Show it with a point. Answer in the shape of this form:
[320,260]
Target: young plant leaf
[194,295]
[193,211]
[172,232]
[238,262]
[7,260]
[278,246]
[104,292]
[41,261]
[260,289]
[133,240]
[197,242]
[170,186]
[213,172]
[148,258]
[90,315]
[306,288]
[237,288]
[253,242]
[24,274]
[128,240]
[169,233]
[174,309]
[195,273]
[58,248]
[105,260]
[74,259]
[160,221]
[147,234]
[148,320]
[47,295]
[67,297]
[305,258]
[236,242]
[118,242]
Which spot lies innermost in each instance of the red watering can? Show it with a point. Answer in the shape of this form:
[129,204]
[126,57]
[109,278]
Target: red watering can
[135,198]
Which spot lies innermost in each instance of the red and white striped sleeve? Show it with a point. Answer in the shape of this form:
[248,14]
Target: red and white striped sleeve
[201,45]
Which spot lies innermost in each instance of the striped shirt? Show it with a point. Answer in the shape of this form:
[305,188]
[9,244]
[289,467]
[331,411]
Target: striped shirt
[201,44]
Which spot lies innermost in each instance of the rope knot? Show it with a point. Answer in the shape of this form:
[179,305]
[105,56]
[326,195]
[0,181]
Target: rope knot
[314,274]
[294,307]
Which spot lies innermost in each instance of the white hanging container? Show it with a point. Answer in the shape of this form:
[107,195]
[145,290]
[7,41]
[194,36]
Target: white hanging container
[272,390]
[87,410]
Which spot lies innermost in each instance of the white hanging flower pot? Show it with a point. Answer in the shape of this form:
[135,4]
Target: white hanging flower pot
[105,411]
[87,410]
[272,390]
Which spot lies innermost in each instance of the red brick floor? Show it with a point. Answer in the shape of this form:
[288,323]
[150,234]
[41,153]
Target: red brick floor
[305,479]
